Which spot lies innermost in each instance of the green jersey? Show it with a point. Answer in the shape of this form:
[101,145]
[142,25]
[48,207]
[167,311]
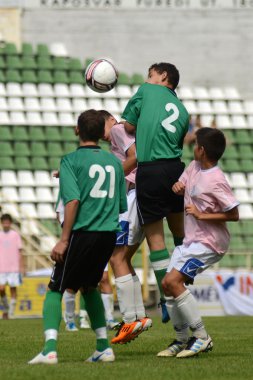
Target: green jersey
[95,178]
[161,122]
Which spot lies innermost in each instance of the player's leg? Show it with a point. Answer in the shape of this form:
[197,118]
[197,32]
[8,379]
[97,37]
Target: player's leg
[3,298]
[13,301]
[83,315]
[69,315]
[159,258]
[107,298]
[176,225]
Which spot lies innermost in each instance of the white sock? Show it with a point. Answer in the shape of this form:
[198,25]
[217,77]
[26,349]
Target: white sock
[69,299]
[107,299]
[4,301]
[13,302]
[83,314]
[139,306]
[188,307]
[125,294]
[178,322]
[101,333]
[50,334]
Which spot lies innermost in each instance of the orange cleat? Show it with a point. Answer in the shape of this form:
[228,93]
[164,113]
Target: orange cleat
[127,332]
[146,323]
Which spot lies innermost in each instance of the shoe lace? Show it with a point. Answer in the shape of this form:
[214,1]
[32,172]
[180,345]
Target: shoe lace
[190,342]
[174,342]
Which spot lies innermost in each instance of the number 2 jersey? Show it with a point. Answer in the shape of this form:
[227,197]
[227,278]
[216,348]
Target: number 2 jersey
[95,178]
[161,122]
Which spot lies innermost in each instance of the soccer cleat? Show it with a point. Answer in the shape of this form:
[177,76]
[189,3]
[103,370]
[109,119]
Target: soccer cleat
[195,346]
[173,349]
[70,326]
[102,356]
[111,324]
[50,358]
[84,323]
[127,332]
[165,314]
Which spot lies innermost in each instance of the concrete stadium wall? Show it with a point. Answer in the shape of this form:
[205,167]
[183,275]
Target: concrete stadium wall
[210,47]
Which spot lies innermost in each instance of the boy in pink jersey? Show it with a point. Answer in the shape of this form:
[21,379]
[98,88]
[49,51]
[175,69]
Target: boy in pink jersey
[209,204]
[11,264]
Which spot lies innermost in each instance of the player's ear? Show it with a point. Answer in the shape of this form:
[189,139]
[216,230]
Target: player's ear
[165,77]
[77,131]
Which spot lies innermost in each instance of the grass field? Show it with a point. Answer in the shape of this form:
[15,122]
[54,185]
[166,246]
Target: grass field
[21,340]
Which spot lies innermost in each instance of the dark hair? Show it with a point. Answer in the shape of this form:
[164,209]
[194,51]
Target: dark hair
[171,71]
[213,141]
[91,125]
[106,115]
[6,217]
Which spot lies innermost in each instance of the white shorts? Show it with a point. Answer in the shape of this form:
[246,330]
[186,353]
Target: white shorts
[193,259]
[132,233]
[11,279]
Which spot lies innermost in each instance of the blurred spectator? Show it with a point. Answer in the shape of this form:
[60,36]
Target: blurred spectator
[213,123]
[194,125]
[11,265]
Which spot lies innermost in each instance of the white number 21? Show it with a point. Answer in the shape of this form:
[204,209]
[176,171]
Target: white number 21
[167,123]
[96,191]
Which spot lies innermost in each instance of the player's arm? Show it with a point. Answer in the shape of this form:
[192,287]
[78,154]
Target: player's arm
[178,188]
[227,216]
[129,128]
[130,163]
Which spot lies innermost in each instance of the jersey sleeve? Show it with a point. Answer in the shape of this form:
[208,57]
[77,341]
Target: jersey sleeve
[121,138]
[184,176]
[132,111]
[69,188]
[224,196]
[19,241]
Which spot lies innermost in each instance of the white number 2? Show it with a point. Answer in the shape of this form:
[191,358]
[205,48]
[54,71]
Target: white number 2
[167,123]
[96,191]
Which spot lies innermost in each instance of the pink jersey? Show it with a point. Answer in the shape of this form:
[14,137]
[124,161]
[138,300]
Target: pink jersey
[120,143]
[10,244]
[210,192]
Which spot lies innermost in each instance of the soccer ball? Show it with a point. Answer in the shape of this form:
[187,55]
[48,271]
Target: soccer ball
[101,75]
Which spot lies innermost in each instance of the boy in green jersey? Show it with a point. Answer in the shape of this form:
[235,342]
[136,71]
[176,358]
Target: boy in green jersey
[92,186]
[160,122]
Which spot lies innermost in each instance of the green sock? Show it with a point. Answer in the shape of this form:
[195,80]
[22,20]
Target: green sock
[178,240]
[82,302]
[159,261]
[52,316]
[96,312]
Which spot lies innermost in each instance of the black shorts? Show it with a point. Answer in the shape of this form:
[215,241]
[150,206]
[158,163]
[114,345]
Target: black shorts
[154,181]
[84,261]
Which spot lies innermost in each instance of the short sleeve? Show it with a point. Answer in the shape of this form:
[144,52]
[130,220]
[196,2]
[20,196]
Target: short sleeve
[224,196]
[132,111]
[69,188]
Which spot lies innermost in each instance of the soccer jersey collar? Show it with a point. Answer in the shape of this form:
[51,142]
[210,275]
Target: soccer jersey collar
[89,147]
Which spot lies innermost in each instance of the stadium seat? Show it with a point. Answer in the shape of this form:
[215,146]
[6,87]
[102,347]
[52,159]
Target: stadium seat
[2,89]
[12,76]
[25,178]
[9,194]
[111,105]
[11,209]
[238,121]
[20,133]
[27,194]
[54,149]
[9,177]
[246,227]
[60,76]
[124,91]
[185,93]
[4,118]
[231,93]
[32,104]
[28,210]
[238,180]
[68,134]
[15,104]
[246,165]
[44,63]
[76,77]
[75,64]
[42,178]
[2,78]
[27,49]
[53,134]
[67,119]
[246,211]
[6,163]
[220,107]
[48,104]
[242,195]
[61,90]
[33,118]
[242,136]
[2,63]
[58,49]
[28,62]
[191,107]
[10,49]
[63,105]
[231,165]
[45,76]
[45,211]
[248,107]
[79,105]
[235,107]
[250,180]
[76,90]
[44,194]
[43,50]
[13,62]
[14,89]
[245,151]
[22,163]
[54,163]
[123,78]
[21,149]
[29,76]
[69,147]
[38,149]
[201,93]
[39,163]
[29,90]
[137,79]
[204,106]
[50,118]
[3,104]
[60,63]
[18,118]
[5,133]
[95,103]
[216,93]
[6,149]
[223,122]
[29,227]
[46,90]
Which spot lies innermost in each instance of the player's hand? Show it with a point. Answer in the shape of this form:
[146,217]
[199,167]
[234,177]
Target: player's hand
[192,210]
[58,251]
[56,174]
[178,188]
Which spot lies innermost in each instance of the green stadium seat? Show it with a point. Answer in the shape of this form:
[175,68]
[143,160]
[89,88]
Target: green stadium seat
[75,64]
[39,163]
[60,76]
[229,135]
[50,225]
[231,152]
[53,134]
[20,133]
[137,79]
[54,149]
[45,76]
[237,244]
[68,134]
[88,61]
[187,152]
[10,49]
[246,166]
[76,77]
[242,136]
[21,149]
[36,133]
[12,76]
[123,78]
[234,229]
[54,163]
[43,50]
[27,49]
[6,149]
[245,151]
[5,133]
[2,77]
[60,63]
[29,76]
[28,62]
[22,163]
[2,63]
[247,227]
[6,163]
[69,147]
[231,166]
[44,63]
[249,242]
[13,62]
[38,149]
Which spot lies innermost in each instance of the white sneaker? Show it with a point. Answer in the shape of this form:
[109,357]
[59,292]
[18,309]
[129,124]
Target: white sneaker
[70,326]
[195,346]
[50,358]
[111,324]
[84,324]
[102,356]
[173,349]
